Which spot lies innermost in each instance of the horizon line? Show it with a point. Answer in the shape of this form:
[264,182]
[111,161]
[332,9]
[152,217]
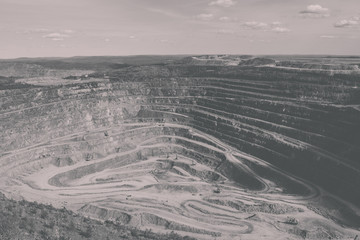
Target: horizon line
[164,55]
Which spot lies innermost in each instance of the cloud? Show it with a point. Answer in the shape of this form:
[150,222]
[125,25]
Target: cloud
[315,11]
[205,16]
[56,36]
[68,31]
[51,35]
[273,26]
[107,40]
[222,3]
[255,25]
[227,19]
[225,31]
[224,19]
[166,13]
[327,36]
[344,23]
[132,37]
[37,30]
[46,30]
[280,30]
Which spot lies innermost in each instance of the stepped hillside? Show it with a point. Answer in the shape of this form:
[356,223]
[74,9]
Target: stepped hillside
[225,147]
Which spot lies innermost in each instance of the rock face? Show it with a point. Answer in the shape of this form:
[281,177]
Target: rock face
[257,62]
[195,148]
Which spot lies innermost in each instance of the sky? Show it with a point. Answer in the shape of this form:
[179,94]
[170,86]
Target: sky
[64,28]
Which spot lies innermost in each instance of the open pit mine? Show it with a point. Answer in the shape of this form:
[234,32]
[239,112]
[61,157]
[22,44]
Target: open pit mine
[210,147]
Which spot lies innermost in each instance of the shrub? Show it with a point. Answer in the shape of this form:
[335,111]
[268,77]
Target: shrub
[87,233]
[44,214]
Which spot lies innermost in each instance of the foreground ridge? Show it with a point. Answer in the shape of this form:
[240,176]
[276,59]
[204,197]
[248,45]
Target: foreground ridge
[30,220]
